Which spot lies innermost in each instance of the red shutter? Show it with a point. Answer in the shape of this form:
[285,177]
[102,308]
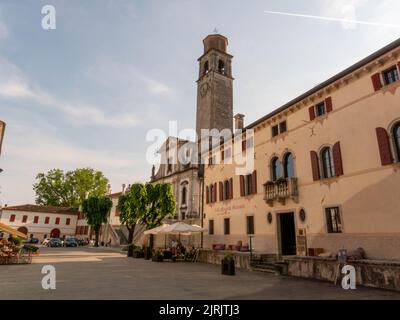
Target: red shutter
[243,145]
[230,188]
[215,193]
[242,186]
[315,165]
[328,104]
[376,81]
[337,159]
[311,111]
[254,182]
[384,146]
[221,191]
[207,195]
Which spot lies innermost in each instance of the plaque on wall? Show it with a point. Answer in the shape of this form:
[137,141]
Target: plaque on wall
[301,242]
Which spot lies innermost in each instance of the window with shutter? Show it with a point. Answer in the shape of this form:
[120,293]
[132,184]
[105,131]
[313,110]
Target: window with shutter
[337,159]
[315,165]
[215,192]
[384,146]
[207,195]
[242,186]
[376,81]
[231,188]
[311,111]
[221,191]
[328,104]
[396,138]
[254,182]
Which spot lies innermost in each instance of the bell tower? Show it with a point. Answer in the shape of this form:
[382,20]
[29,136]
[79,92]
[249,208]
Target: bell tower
[214,86]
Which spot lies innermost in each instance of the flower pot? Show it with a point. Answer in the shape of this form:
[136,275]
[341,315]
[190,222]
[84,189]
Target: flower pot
[228,267]
[156,258]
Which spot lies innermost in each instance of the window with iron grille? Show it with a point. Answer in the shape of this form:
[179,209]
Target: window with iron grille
[391,75]
[250,224]
[333,221]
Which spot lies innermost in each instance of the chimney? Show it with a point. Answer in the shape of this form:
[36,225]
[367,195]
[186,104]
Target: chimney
[239,121]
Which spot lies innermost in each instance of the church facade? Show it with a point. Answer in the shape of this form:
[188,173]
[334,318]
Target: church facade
[326,165]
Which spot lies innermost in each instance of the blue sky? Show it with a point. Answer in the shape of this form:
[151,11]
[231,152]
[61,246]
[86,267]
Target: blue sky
[86,93]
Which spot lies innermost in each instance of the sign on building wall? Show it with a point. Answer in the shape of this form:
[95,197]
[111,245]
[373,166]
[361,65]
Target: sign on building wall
[301,242]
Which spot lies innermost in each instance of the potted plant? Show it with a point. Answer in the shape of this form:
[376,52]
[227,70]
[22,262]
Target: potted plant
[147,253]
[158,256]
[138,252]
[228,265]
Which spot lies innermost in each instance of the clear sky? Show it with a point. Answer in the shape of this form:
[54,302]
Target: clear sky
[86,93]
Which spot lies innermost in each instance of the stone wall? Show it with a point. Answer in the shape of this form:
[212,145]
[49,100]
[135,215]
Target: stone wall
[242,259]
[369,273]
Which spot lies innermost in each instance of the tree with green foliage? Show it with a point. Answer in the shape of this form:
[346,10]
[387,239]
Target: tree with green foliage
[96,211]
[132,206]
[56,188]
[160,204]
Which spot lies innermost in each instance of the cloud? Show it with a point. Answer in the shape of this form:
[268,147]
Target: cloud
[15,85]
[343,9]
[157,88]
[31,149]
[124,77]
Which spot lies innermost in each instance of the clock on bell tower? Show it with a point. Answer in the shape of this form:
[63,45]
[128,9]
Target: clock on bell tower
[214,86]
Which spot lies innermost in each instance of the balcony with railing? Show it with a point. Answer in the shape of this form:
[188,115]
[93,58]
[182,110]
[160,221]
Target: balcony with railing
[280,190]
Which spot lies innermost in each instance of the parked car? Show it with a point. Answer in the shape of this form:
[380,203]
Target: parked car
[54,242]
[32,241]
[71,242]
[45,241]
[82,242]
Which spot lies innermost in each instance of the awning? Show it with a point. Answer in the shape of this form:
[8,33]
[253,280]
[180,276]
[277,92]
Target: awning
[181,228]
[156,230]
[7,229]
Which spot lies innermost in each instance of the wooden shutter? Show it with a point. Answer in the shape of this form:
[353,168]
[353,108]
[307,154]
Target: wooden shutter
[376,81]
[243,145]
[311,111]
[315,165]
[242,186]
[221,191]
[384,146]
[328,104]
[337,159]
[254,182]
[207,195]
[215,193]
[230,188]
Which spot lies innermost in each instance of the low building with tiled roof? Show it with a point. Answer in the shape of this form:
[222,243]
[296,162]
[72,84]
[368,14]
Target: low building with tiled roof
[41,222]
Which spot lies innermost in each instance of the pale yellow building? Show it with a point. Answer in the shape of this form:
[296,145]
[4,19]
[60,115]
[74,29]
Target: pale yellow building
[326,166]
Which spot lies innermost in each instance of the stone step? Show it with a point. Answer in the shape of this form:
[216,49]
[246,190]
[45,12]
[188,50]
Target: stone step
[266,270]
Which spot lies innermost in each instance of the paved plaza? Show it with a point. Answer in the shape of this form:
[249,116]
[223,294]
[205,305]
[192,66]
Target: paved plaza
[99,273]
